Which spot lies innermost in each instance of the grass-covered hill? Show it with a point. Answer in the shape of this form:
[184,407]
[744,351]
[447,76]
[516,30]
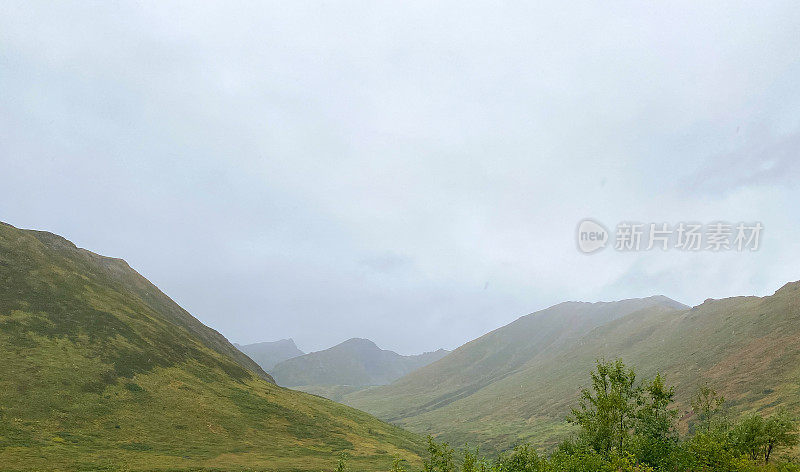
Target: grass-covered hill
[348,366]
[268,354]
[517,383]
[494,356]
[101,370]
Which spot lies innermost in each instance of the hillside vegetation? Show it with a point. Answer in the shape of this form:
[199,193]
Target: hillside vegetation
[521,379]
[625,423]
[101,370]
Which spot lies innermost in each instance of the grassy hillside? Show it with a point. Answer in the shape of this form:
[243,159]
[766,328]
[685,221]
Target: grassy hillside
[748,347]
[494,356]
[355,363]
[102,370]
[268,354]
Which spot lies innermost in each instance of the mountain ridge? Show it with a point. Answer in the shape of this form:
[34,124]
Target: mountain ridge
[121,272]
[355,362]
[748,347]
[269,353]
[103,371]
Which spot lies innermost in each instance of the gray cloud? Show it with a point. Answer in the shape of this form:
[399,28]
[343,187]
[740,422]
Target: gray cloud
[769,161]
[408,172]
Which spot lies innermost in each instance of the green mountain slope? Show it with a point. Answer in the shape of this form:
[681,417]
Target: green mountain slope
[747,347]
[494,356]
[102,370]
[268,354]
[355,362]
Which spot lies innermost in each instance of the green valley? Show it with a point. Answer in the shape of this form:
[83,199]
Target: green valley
[104,371]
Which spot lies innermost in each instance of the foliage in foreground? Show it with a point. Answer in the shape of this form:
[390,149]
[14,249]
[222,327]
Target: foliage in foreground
[627,425]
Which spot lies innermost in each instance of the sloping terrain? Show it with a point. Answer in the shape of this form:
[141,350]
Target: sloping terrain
[747,347]
[496,355]
[268,354]
[100,369]
[355,363]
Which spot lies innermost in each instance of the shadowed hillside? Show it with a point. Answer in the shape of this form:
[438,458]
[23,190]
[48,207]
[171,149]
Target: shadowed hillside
[102,370]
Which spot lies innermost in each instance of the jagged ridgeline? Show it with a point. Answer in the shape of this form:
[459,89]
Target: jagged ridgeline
[102,369]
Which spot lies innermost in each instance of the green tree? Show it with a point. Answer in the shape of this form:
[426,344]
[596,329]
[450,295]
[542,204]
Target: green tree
[657,440]
[470,462]
[523,459]
[713,450]
[749,436]
[341,464]
[397,465]
[440,458]
[779,431]
[473,462]
[607,410]
[706,404]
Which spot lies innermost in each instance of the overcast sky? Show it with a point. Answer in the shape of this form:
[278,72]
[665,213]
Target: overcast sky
[411,172]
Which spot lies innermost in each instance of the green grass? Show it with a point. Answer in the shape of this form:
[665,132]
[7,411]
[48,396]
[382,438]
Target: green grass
[747,347]
[102,371]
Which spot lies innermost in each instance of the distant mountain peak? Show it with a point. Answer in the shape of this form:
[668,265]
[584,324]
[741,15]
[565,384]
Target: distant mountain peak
[358,342]
[269,353]
[286,341]
[354,362]
[654,299]
[789,288]
[669,302]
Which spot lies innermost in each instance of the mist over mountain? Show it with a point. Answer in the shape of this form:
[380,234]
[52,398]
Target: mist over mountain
[569,197]
[267,354]
[518,382]
[90,345]
[356,362]
[495,355]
